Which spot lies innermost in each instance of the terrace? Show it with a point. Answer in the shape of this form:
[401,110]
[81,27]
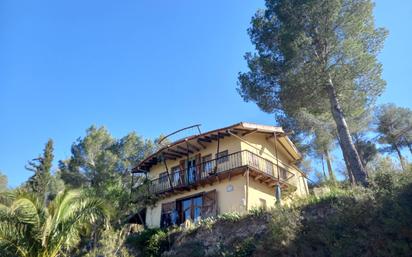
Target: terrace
[215,170]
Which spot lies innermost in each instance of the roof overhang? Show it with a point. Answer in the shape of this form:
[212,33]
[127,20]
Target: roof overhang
[189,145]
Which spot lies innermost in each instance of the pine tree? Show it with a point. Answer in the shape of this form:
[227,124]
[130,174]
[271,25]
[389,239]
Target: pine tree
[316,55]
[41,166]
[394,125]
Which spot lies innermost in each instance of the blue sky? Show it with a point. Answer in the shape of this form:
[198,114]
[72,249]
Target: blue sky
[147,66]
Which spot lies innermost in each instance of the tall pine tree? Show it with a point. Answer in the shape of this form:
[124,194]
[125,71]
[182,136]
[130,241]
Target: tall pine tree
[41,166]
[317,55]
[394,125]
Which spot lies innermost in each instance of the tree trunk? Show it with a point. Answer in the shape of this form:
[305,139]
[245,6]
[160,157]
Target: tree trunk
[409,146]
[400,156]
[348,168]
[346,143]
[329,164]
[323,169]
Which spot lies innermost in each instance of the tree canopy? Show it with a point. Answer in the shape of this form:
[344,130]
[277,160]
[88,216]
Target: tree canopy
[41,166]
[394,125]
[102,164]
[318,56]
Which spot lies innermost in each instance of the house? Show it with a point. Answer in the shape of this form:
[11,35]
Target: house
[236,168]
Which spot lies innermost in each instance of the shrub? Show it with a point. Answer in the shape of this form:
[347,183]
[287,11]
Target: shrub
[257,212]
[245,248]
[230,216]
[110,244]
[150,242]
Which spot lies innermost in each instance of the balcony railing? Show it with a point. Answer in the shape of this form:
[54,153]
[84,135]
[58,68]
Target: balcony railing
[203,171]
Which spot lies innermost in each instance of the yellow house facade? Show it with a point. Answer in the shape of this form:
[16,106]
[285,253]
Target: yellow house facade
[235,168]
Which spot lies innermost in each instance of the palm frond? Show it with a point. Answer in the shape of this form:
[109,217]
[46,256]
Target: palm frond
[27,228]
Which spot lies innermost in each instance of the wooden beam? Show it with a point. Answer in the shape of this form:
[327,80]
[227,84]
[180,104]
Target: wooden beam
[211,137]
[231,131]
[171,158]
[267,180]
[250,132]
[197,149]
[224,134]
[201,144]
[258,177]
[176,152]
[184,149]
[172,154]
[215,137]
[205,139]
[277,135]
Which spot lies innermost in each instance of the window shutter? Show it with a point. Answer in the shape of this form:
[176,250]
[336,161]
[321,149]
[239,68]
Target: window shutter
[198,166]
[209,207]
[167,209]
[182,168]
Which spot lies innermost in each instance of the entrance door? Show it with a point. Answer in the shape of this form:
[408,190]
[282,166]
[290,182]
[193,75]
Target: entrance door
[192,209]
[191,171]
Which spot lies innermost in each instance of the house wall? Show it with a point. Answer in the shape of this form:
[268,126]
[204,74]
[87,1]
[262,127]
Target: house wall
[259,191]
[258,144]
[234,200]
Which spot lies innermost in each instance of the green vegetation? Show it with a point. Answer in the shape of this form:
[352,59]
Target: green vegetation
[394,125]
[316,59]
[150,242]
[347,221]
[41,167]
[3,182]
[315,68]
[28,229]
[61,212]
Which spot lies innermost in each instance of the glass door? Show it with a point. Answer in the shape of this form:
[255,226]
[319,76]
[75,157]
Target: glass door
[191,171]
[192,209]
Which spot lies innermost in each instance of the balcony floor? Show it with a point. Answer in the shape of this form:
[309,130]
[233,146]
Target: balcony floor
[254,173]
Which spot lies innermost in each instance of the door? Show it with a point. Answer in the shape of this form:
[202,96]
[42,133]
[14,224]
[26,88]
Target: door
[192,209]
[191,171]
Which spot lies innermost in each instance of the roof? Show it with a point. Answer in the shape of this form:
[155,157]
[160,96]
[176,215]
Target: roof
[194,143]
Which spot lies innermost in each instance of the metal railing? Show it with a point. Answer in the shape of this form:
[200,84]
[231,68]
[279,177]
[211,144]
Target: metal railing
[201,171]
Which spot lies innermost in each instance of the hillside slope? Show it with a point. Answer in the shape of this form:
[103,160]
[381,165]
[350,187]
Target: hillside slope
[376,221]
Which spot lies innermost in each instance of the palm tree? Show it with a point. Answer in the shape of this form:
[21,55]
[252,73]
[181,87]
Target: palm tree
[28,229]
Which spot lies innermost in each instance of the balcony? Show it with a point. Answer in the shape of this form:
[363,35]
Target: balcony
[211,171]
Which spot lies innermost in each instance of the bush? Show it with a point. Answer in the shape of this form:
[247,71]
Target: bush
[245,248]
[346,221]
[110,244]
[230,216]
[150,242]
[257,212]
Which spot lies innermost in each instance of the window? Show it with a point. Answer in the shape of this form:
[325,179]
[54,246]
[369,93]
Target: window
[168,214]
[222,157]
[262,203]
[283,173]
[192,209]
[175,174]
[163,177]
[191,170]
[207,163]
